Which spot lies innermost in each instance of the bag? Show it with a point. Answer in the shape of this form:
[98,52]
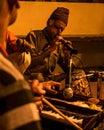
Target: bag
[80,83]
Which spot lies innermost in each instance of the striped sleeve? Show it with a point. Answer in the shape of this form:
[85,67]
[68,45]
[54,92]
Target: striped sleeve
[17,108]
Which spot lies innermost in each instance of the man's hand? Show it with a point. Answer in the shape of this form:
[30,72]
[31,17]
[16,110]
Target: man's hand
[51,86]
[40,89]
[37,87]
[24,45]
[38,93]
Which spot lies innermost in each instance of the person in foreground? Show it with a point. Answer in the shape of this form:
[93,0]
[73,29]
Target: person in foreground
[17,107]
[50,51]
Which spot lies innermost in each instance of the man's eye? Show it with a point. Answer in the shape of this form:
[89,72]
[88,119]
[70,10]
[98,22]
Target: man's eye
[59,28]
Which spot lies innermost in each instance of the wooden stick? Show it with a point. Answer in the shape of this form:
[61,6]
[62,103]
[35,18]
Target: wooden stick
[61,114]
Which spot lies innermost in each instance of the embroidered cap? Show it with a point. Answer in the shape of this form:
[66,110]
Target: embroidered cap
[60,13]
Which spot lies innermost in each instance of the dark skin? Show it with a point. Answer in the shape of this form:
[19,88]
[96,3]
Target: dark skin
[40,90]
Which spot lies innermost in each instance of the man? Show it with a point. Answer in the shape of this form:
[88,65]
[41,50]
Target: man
[51,49]
[17,107]
[47,48]
[19,52]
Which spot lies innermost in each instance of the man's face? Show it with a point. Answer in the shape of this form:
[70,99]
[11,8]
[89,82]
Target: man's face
[55,27]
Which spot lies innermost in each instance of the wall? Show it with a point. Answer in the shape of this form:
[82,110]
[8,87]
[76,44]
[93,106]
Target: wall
[85,18]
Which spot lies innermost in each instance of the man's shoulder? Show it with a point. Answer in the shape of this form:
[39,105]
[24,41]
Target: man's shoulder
[38,34]
[36,31]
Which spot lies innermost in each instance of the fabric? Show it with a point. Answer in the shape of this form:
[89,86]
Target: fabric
[17,108]
[21,58]
[60,13]
[11,42]
[80,85]
[46,64]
